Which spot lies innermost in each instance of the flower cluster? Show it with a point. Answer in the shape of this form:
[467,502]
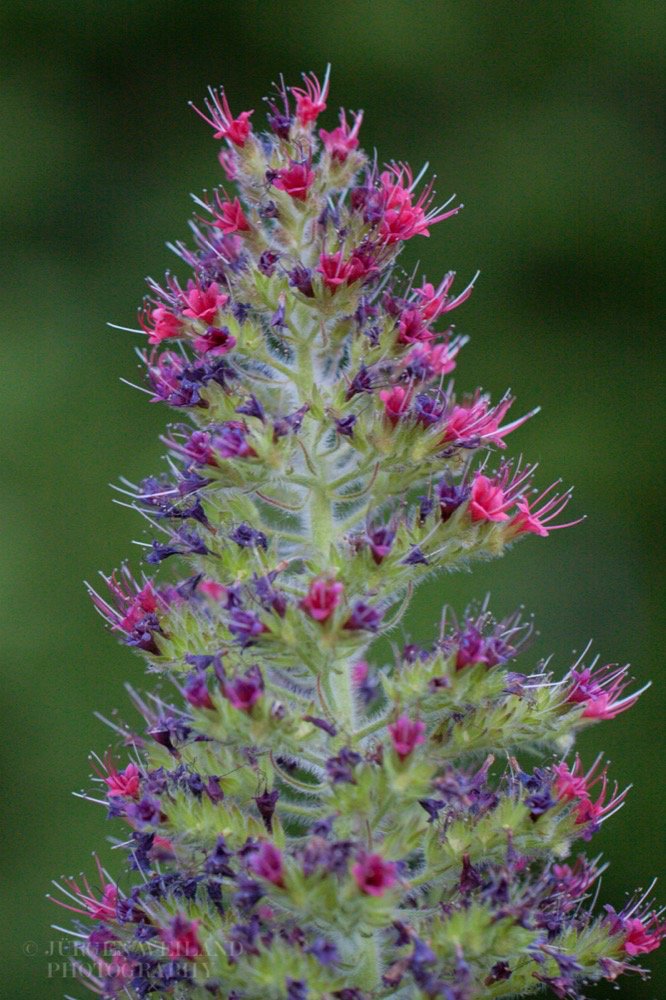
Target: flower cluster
[301,823]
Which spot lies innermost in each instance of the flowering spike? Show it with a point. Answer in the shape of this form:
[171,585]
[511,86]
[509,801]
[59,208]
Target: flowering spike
[299,821]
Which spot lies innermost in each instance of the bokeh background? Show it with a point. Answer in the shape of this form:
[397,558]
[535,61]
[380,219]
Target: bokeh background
[544,118]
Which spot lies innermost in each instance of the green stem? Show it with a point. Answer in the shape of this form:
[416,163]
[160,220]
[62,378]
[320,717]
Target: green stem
[340,695]
[321,518]
[371,727]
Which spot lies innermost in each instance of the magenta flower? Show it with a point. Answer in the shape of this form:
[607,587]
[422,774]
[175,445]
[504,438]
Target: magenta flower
[322,598]
[488,501]
[216,340]
[571,785]
[359,673]
[343,140]
[436,302]
[236,130]
[396,402]
[230,218]
[478,419]
[472,648]
[295,180]
[373,875]
[266,863]
[203,303]
[406,735]
[213,590]
[536,520]
[181,938]
[643,936]
[311,100]
[401,218]
[333,269]
[244,691]
[413,328]
[123,784]
[134,601]
[432,359]
[196,691]
[86,901]
[600,690]
[165,325]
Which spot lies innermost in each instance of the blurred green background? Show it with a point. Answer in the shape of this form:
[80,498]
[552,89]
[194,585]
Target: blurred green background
[543,117]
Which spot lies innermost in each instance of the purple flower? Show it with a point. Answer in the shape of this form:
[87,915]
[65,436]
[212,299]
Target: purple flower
[248,537]
[363,617]
[229,441]
[300,277]
[217,862]
[245,625]
[266,863]
[266,803]
[297,989]
[340,768]
[324,951]
[196,690]
[380,542]
[246,689]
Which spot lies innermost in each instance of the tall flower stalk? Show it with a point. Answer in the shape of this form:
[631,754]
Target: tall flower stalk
[299,821]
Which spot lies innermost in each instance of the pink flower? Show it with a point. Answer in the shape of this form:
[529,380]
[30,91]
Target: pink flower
[571,785]
[487,501]
[229,163]
[231,218]
[402,219]
[266,863]
[374,875]
[311,101]
[322,598]
[536,520]
[430,359]
[643,936]
[164,325]
[295,180]
[478,419]
[342,140]
[362,263]
[202,304]
[125,784]
[181,938]
[359,673]
[133,602]
[396,402]
[212,589]
[600,690]
[436,302]
[98,909]
[236,130]
[406,735]
[333,269]
[216,340]
[413,328]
